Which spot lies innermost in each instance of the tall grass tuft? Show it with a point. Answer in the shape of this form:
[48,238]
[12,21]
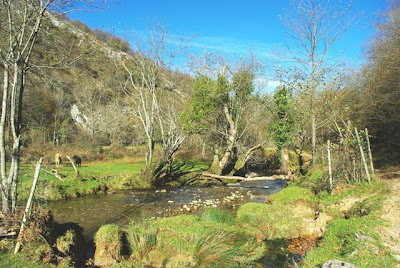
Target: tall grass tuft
[142,238]
[226,249]
[218,215]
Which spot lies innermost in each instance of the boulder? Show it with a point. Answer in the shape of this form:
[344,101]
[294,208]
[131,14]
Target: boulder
[337,264]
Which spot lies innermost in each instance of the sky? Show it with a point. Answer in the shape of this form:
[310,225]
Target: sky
[230,26]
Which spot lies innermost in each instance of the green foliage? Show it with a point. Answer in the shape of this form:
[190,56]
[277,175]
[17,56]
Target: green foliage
[202,104]
[314,180]
[283,124]
[242,83]
[210,95]
[218,215]
[356,239]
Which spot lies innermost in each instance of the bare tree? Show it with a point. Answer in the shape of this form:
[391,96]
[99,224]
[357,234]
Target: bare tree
[314,25]
[21,22]
[149,88]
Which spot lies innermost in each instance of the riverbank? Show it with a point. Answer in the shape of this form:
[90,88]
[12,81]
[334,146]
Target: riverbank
[314,226]
[100,177]
[318,227]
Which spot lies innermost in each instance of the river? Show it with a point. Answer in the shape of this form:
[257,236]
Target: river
[91,212]
[122,207]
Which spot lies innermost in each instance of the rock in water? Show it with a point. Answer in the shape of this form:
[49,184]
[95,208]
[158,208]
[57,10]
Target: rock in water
[337,264]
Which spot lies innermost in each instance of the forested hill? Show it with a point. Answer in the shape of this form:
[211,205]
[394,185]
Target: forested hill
[77,87]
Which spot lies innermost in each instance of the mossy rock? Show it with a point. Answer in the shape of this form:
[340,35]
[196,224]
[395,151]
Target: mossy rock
[291,194]
[108,240]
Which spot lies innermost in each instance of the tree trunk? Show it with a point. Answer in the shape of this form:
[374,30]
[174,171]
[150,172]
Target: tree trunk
[150,151]
[285,160]
[371,162]
[329,164]
[215,164]
[4,106]
[241,162]
[230,142]
[313,139]
[14,184]
[362,156]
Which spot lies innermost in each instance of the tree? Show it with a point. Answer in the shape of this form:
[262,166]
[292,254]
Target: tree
[149,90]
[21,22]
[378,104]
[283,124]
[218,107]
[314,26]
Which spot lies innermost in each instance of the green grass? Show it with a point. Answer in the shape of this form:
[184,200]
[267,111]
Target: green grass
[218,215]
[29,256]
[196,237]
[96,177]
[340,241]
[266,222]
[141,238]
[291,194]
[108,234]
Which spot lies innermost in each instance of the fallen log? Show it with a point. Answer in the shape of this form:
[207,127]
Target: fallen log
[205,174]
[266,178]
[239,178]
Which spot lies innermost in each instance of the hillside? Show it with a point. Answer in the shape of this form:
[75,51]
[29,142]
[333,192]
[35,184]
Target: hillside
[76,88]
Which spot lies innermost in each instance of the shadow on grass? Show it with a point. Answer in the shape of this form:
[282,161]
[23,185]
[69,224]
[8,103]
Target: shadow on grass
[184,170]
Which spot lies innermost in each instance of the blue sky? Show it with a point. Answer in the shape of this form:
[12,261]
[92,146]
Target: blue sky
[231,26]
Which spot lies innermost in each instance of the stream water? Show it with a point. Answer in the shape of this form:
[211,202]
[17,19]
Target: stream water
[122,207]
